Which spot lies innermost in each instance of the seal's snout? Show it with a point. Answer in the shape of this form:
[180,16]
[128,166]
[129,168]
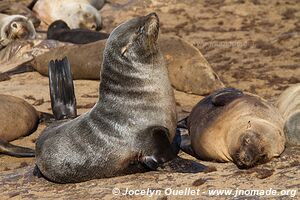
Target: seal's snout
[152,23]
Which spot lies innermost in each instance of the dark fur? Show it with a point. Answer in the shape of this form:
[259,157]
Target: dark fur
[16,151]
[59,30]
[129,127]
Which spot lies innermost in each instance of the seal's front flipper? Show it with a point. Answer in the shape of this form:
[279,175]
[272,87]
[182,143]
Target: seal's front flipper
[157,148]
[16,151]
[63,101]
[225,96]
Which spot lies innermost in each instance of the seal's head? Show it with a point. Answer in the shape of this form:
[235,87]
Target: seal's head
[58,25]
[252,150]
[19,28]
[91,21]
[135,39]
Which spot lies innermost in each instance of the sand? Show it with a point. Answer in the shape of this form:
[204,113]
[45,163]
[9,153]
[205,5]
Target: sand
[252,45]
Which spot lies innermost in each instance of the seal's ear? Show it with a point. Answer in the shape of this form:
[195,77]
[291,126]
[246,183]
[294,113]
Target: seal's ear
[225,96]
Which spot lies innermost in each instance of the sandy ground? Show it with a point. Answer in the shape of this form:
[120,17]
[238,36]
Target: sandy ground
[253,45]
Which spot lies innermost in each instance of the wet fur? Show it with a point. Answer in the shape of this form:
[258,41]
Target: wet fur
[132,124]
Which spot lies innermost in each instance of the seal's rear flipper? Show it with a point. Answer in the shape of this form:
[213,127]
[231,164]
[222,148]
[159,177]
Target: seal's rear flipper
[16,151]
[63,101]
[225,96]
[183,141]
[27,67]
[181,165]
[47,118]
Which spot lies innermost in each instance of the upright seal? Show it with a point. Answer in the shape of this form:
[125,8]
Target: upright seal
[230,125]
[132,124]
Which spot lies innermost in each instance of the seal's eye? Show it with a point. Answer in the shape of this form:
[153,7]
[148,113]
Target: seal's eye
[14,25]
[247,141]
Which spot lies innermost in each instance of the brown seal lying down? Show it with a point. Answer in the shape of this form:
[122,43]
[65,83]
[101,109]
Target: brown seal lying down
[230,125]
[17,119]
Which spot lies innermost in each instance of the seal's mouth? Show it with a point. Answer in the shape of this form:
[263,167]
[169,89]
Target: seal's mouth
[247,159]
[152,26]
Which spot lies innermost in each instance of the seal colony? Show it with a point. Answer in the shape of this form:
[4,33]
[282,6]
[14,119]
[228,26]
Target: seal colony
[14,27]
[193,75]
[230,125]
[133,122]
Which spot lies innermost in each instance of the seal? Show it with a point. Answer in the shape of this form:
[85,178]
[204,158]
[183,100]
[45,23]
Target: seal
[230,125]
[15,27]
[59,30]
[17,8]
[77,14]
[131,125]
[194,75]
[288,104]
[17,119]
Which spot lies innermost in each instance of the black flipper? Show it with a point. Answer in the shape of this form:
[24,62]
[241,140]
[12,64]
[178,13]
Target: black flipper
[158,149]
[225,96]
[37,172]
[31,5]
[63,101]
[46,118]
[27,67]
[184,141]
[16,151]
[182,123]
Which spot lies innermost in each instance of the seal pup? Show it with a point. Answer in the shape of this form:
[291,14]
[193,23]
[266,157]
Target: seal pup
[15,27]
[77,14]
[230,125]
[59,30]
[17,119]
[288,104]
[133,122]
